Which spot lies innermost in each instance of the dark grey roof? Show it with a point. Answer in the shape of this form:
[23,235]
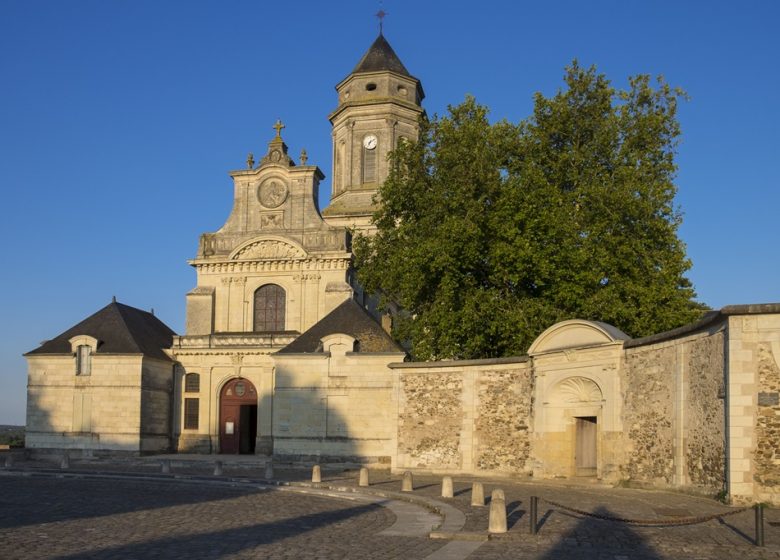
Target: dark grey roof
[119,329]
[379,57]
[348,318]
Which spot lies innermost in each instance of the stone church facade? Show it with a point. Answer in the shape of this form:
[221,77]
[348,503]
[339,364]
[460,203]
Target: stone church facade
[282,354]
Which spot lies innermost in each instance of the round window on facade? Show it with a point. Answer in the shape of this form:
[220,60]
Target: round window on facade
[371,86]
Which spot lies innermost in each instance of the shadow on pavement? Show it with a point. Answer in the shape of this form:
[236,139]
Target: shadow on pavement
[224,543]
[32,501]
[514,513]
[593,539]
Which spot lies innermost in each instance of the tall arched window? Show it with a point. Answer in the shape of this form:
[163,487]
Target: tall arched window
[269,308]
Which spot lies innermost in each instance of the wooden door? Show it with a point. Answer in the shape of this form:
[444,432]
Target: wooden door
[585,447]
[237,417]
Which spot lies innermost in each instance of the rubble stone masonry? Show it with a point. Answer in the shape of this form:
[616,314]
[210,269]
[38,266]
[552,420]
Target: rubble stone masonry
[430,419]
[502,424]
[767,453]
[648,413]
[705,415]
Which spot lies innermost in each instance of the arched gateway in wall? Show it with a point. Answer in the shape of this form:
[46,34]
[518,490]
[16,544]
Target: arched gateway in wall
[237,417]
[577,395]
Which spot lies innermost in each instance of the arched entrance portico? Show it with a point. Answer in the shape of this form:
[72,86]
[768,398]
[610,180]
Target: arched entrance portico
[578,403]
[237,417]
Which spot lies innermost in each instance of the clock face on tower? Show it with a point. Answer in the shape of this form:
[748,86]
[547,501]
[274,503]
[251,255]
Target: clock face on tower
[369,142]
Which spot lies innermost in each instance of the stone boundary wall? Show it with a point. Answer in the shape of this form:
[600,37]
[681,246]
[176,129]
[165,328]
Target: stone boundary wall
[429,420]
[502,424]
[648,413]
[465,417]
[766,457]
[753,353]
[674,411]
[704,414]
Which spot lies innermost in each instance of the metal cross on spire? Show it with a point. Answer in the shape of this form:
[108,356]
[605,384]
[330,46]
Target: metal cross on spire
[381,15]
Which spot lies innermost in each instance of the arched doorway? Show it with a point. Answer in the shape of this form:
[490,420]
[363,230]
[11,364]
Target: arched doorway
[237,417]
[578,402]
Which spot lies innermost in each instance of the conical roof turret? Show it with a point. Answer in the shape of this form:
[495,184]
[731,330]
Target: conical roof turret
[380,57]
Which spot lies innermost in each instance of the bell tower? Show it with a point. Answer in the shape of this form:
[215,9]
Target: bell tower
[379,104]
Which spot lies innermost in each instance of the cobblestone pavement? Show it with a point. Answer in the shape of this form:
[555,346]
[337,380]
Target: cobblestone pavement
[51,518]
[128,519]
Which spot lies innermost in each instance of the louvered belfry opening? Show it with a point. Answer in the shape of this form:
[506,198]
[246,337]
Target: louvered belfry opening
[269,308]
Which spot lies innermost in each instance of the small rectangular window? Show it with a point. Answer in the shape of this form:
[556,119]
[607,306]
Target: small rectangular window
[83,360]
[192,383]
[191,413]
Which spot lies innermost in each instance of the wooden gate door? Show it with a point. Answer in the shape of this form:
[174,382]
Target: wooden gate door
[585,446]
[237,417]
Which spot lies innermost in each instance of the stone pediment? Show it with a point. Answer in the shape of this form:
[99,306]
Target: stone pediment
[268,249]
[575,333]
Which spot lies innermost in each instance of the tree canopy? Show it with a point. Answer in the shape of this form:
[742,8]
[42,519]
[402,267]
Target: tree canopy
[489,233]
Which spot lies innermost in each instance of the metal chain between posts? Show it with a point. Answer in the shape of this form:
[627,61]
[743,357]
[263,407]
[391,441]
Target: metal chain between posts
[653,522]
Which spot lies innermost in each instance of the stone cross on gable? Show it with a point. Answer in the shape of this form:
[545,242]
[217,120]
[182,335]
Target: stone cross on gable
[279,126]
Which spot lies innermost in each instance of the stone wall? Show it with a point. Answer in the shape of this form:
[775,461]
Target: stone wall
[97,412]
[767,452]
[704,413]
[648,377]
[674,411]
[753,351]
[464,416]
[430,418]
[505,401]
[335,404]
[156,405]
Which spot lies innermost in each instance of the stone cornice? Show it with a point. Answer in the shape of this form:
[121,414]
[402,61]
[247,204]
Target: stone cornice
[240,341]
[377,101]
[225,266]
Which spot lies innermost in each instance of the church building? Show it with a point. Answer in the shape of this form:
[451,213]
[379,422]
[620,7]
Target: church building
[283,355]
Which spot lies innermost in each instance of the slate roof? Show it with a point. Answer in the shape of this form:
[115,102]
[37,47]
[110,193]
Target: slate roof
[348,318]
[379,57]
[119,329]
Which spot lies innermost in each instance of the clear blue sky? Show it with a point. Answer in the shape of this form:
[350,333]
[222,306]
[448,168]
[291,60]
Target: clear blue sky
[119,121]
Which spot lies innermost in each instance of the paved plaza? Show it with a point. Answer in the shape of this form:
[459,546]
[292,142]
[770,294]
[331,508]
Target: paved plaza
[130,510]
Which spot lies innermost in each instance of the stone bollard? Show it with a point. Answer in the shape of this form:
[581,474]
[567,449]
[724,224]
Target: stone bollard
[407,485]
[363,480]
[9,461]
[477,494]
[269,470]
[166,466]
[218,468]
[497,519]
[316,474]
[446,487]
[65,463]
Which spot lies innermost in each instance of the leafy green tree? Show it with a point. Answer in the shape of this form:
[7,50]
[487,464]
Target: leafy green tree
[489,233]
